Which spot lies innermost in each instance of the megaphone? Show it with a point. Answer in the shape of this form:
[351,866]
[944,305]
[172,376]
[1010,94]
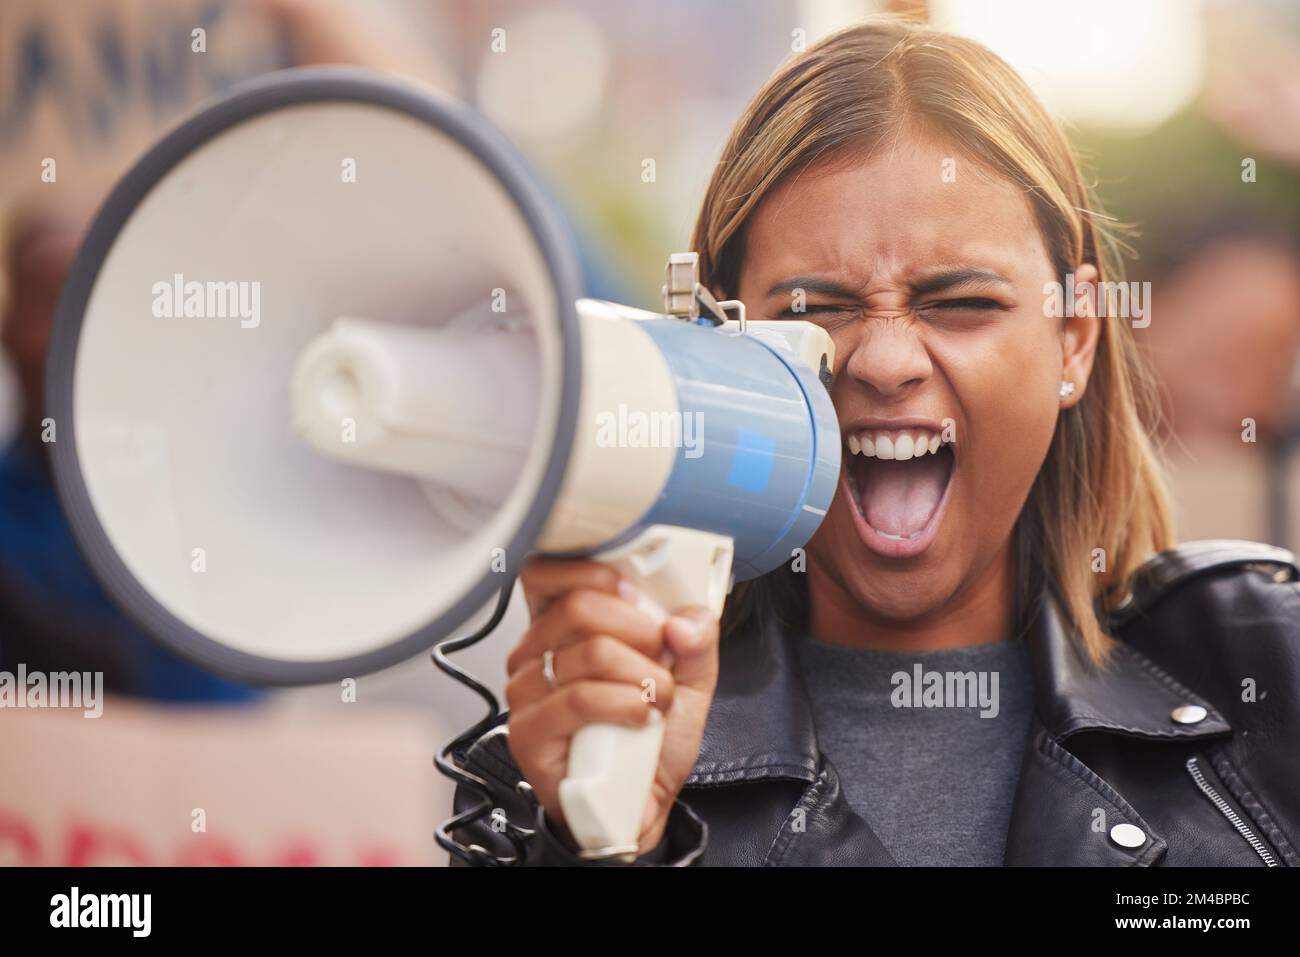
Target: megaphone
[322,373]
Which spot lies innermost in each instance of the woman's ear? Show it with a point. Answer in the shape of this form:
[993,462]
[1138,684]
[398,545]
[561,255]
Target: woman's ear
[1081,334]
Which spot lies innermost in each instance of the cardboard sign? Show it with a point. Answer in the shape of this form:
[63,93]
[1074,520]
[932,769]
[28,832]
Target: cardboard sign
[260,785]
[87,85]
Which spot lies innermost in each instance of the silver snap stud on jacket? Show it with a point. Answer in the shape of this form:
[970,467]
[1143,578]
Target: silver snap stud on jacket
[1128,835]
[1189,714]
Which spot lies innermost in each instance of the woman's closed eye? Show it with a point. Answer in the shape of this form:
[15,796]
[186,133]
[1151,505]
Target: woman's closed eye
[968,302]
[826,310]
[831,310]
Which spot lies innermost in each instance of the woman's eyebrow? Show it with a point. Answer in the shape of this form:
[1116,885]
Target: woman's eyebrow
[956,278]
[821,287]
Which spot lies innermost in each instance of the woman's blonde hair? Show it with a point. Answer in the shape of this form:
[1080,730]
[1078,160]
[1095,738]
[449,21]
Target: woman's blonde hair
[1098,507]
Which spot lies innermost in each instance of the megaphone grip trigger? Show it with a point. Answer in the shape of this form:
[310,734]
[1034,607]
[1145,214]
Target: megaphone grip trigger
[612,767]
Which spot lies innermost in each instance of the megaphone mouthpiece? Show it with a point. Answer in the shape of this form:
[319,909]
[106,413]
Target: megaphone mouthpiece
[453,405]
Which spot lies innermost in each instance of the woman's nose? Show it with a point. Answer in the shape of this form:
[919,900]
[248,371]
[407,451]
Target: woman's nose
[888,354]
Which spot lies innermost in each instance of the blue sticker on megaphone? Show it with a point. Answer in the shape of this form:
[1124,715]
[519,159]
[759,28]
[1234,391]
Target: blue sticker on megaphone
[751,466]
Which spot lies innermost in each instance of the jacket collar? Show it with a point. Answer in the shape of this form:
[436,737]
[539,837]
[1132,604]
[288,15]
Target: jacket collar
[1130,696]
[761,725]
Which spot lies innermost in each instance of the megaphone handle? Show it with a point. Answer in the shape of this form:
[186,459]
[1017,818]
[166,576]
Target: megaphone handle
[612,766]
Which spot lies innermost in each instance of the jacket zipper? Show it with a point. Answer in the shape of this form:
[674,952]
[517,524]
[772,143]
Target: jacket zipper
[1233,817]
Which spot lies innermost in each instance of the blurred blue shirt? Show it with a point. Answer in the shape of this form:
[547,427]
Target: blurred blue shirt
[41,567]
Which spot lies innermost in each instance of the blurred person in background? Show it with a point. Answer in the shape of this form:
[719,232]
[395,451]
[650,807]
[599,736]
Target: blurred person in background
[1228,340]
[1225,343]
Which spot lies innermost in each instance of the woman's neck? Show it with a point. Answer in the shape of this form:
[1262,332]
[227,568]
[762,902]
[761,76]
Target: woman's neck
[980,613]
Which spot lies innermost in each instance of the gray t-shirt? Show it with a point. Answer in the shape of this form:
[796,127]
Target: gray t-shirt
[928,745]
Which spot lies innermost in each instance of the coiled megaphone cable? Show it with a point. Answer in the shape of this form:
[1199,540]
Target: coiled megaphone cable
[474,854]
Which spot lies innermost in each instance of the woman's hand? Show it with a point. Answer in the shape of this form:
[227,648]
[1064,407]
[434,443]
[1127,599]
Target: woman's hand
[605,649]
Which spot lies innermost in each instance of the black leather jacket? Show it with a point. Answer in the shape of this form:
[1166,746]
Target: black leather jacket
[1212,625]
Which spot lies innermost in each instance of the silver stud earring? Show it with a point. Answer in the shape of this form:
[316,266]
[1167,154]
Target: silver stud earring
[1067,390]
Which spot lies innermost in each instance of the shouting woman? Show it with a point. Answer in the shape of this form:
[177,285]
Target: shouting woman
[1000,513]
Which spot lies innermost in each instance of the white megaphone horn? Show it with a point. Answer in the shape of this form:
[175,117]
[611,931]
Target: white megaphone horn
[322,378]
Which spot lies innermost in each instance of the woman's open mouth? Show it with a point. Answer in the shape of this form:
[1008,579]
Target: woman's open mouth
[898,482]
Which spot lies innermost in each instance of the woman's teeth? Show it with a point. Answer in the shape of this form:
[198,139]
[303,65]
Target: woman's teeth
[894,444]
[898,480]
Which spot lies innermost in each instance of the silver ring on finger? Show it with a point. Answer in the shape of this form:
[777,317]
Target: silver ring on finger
[548,669]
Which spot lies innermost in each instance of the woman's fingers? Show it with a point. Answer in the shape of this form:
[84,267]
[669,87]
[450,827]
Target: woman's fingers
[582,613]
[571,707]
[612,664]
[545,579]
[600,658]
